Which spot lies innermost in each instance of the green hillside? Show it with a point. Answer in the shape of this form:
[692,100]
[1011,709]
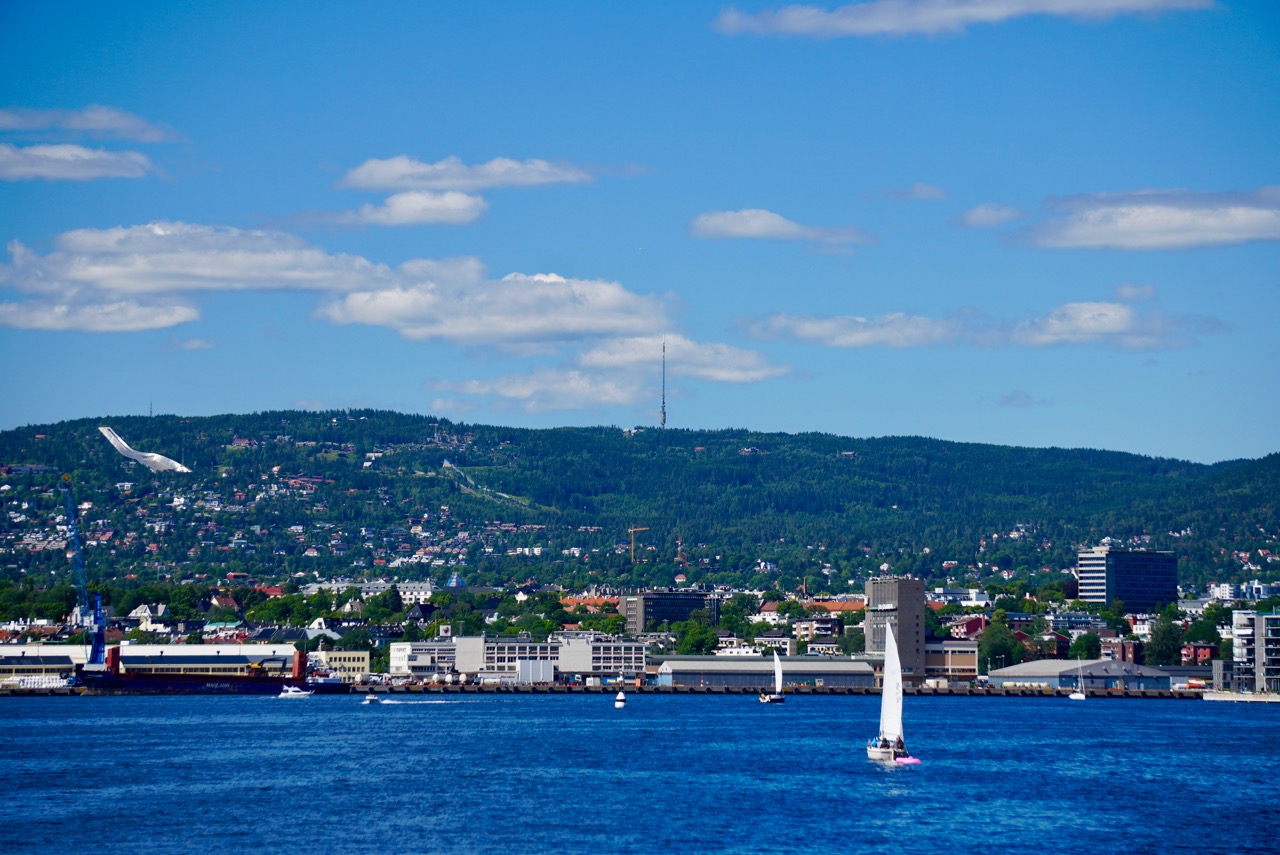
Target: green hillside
[720,506]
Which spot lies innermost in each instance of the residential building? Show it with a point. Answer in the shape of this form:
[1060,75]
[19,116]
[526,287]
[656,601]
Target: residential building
[1144,580]
[1256,650]
[897,601]
[817,626]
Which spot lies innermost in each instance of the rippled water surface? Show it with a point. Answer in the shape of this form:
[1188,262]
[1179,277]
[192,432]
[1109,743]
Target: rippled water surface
[668,773]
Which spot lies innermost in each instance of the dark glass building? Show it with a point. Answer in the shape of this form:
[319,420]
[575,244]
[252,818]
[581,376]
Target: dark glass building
[1142,579]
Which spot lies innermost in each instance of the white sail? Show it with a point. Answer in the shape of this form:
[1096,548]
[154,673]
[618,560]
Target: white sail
[891,693]
[777,674]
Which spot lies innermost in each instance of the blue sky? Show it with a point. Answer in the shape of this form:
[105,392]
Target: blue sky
[1025,222]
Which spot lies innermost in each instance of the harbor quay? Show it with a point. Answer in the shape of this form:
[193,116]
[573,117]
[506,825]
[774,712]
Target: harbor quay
[791,691]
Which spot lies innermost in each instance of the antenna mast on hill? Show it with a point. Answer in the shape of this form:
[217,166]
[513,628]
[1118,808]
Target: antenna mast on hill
[662,413]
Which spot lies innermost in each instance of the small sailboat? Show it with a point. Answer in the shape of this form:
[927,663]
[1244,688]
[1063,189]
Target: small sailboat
[620,700]
[777,697]
[295,692]
[889,746]
[1078,694]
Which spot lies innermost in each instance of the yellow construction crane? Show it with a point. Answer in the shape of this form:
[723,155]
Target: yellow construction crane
[633,530]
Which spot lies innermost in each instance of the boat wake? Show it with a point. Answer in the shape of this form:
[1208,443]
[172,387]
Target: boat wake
[390,701]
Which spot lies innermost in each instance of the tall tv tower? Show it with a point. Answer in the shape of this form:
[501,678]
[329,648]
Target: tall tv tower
[662,413]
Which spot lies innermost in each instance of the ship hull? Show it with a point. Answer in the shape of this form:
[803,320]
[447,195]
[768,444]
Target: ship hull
[194,684]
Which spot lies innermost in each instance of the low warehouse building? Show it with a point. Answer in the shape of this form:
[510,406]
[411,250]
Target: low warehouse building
[757,672]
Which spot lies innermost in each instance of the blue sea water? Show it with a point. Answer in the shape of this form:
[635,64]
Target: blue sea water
[570,774]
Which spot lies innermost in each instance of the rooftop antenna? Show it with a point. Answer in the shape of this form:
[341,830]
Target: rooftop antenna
[662,413]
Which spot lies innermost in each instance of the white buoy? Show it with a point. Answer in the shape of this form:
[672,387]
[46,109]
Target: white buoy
[620,701]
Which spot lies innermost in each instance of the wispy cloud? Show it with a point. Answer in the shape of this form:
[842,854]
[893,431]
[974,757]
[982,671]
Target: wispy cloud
[194,344]
[893,330]
[926,17]
[406,173]
[95,120]
[549,390]
[1127,293]
[988,215]
[1161,219]
[1021,400]
[69,163]
[919,190]
[417,208]
[128,315]
[1103,323]
[621,371]
[685,358]
[759,224]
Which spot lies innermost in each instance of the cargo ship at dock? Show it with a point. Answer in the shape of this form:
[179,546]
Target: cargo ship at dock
[201,674]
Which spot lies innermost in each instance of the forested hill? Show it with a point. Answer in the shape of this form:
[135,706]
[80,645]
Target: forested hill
[729,498]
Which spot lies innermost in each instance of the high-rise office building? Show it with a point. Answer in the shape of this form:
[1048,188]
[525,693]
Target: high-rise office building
[1143,580]
[659,607]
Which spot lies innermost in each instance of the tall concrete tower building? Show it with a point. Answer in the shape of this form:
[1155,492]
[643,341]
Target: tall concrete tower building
[897,601]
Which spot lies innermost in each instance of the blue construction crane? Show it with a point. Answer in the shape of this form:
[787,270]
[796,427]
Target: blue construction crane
[97,629]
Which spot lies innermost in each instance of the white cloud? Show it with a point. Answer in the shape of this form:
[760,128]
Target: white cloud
[617,372]
[987,215]
[95,120]
[175,257]
[928,17]
[132,278]
[893,330]
[1112,324]
[69,163]
[146,277]
[1162,219]
[419,207]
[759,224]
[97,316]
[708,361]
[406,173]
[919,190]
[516,309]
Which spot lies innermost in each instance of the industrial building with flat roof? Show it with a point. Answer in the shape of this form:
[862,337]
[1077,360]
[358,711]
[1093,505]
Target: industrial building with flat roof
[757,673]
[1097,674]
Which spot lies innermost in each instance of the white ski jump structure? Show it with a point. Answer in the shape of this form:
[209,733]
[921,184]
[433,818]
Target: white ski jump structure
[154,462]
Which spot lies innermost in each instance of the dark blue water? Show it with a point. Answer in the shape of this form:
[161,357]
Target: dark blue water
[691,773]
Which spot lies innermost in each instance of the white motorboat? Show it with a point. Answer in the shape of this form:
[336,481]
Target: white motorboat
[371,698]
[295,692]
